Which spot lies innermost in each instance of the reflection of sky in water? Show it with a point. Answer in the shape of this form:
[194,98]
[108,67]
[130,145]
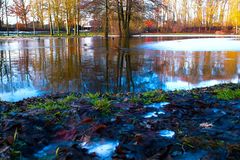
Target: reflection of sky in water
[83,65]
[19,94]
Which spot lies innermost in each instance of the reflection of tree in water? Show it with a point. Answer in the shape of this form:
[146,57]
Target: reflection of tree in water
[24,64]
[124,56]
[89,65]
[195,67]
[59,67]
[9,73]
[5,67]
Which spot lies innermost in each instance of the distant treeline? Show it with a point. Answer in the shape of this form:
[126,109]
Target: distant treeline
[123,17]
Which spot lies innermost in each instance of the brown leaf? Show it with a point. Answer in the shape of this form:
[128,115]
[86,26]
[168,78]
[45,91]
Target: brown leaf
[138,138]
[100,128]
[119,150]
[86,120]
[10,140]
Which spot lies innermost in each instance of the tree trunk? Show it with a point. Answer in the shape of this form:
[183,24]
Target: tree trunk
[78,19]
[124,13]
[58,27]
[34,30]
[25,21]
[107,19]
[51,25]
[67,25]
[6,12]
[50,19]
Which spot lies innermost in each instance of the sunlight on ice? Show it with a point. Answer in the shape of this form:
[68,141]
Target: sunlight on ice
[200,44]
[183,85]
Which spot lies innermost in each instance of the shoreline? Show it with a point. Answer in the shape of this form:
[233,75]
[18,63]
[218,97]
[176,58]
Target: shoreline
[186,35]
[202,122]
[144,35]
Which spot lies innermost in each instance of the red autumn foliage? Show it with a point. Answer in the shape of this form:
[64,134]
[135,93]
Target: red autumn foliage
[149,23]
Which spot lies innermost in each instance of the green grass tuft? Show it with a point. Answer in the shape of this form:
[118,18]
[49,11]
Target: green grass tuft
[93,96]
[149,97]
[69,98]
[103,105]
[227,94]
[49,106]
[150,94]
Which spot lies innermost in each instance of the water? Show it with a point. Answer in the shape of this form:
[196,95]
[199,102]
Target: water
[157,105]
[150,115]
[103,148]
[49,151]
[36,66]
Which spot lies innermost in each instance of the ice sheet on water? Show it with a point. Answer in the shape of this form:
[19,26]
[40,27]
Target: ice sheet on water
[198,44]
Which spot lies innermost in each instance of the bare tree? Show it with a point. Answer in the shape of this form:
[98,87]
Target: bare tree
[20,9]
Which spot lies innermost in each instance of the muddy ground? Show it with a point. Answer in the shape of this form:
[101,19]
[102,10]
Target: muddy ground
[194,124]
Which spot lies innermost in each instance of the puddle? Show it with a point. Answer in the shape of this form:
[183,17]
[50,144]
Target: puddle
[161,112]
[215,110]
[191,155]
[236,106]
[103,148]
[157,105]
[167,133]
[153,114]
[49,152]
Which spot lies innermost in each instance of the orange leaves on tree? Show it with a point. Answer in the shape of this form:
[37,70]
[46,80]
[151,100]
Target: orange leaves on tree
[149,23]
